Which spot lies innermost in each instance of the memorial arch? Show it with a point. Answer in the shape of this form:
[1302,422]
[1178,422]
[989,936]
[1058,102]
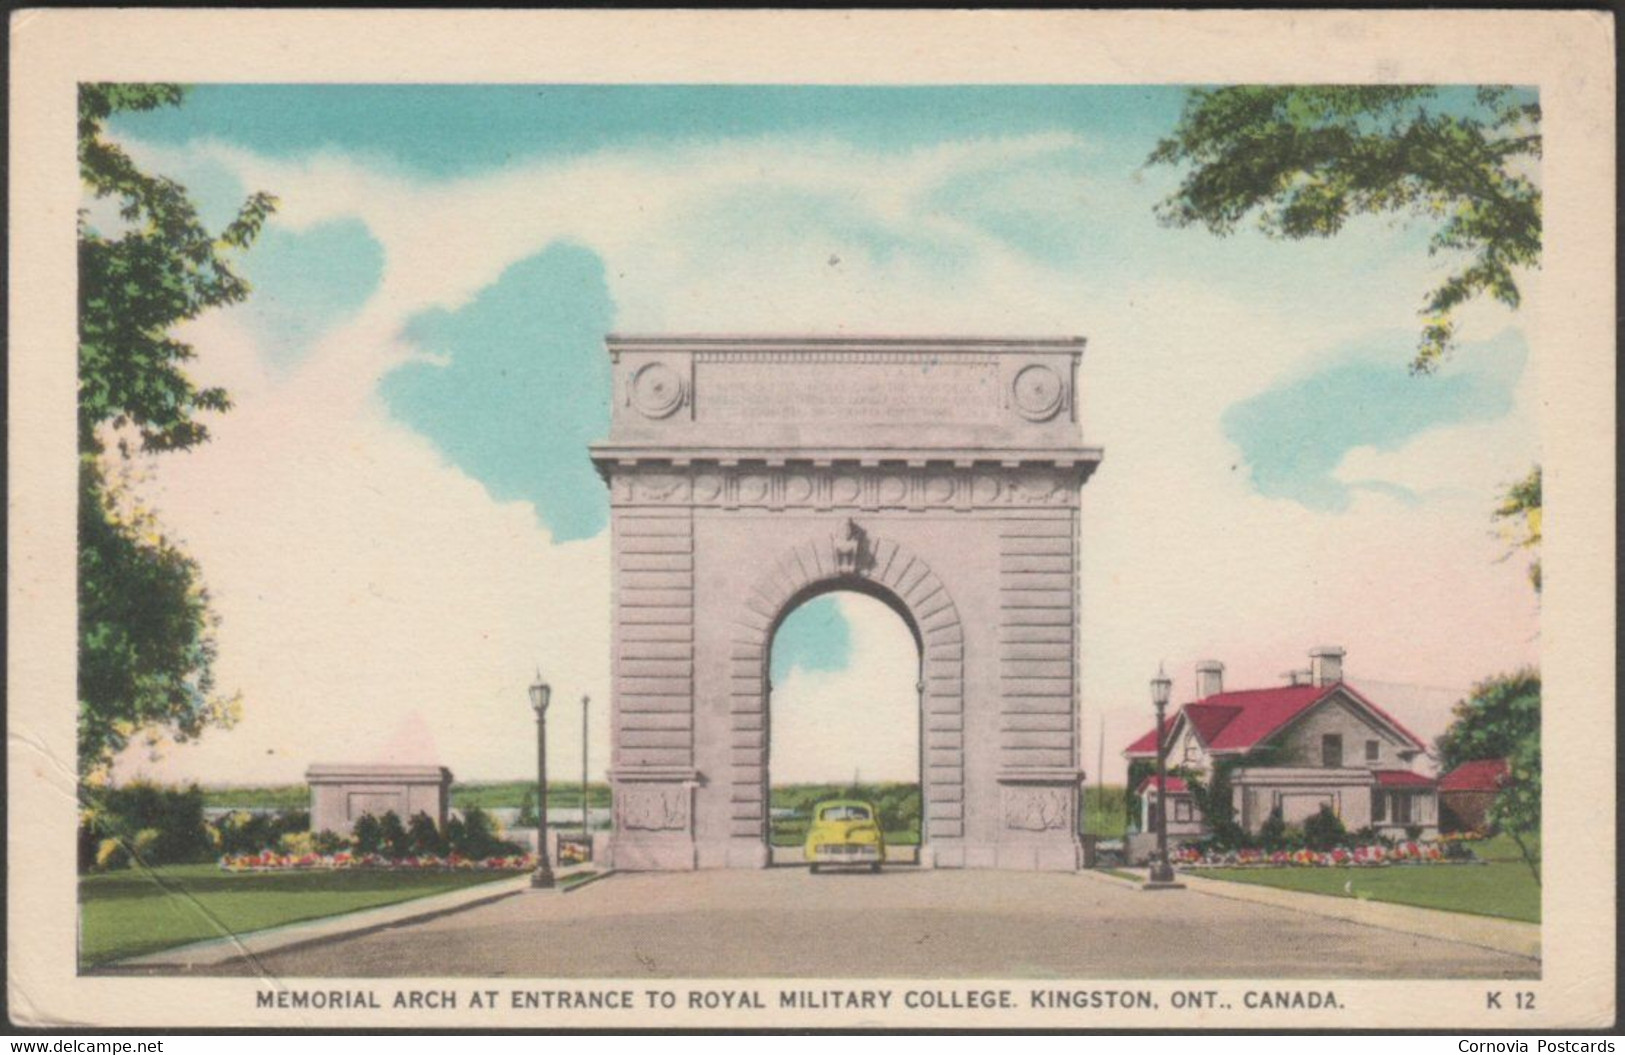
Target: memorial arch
[938,475]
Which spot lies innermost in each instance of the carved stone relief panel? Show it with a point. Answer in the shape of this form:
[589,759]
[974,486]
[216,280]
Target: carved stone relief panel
[653,807]
[1037,809]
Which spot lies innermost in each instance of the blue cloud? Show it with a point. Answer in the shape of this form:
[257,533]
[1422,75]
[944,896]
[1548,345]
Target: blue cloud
[307,282]
[816,636]
[1294,435]
[525,386]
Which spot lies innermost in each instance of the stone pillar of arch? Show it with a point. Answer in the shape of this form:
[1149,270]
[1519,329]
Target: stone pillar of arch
[938,475]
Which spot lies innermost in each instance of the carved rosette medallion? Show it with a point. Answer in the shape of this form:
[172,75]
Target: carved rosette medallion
[1037,809]
[662,807]
[657,390]
[1038,392]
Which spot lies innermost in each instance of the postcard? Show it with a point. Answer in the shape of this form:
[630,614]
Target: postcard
[811,520]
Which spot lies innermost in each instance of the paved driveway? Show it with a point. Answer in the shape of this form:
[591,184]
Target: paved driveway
[784,922]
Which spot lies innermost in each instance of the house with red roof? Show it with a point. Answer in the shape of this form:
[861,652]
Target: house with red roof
[1315,741]
[1465,794]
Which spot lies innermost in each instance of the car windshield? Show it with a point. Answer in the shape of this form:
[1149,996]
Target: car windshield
[844,813]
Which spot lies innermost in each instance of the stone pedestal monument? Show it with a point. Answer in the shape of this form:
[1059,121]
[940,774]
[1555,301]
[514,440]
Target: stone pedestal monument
[341,792]
[940,476]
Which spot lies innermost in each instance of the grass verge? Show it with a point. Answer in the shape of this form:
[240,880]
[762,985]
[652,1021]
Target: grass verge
[142,910]
[1500,888]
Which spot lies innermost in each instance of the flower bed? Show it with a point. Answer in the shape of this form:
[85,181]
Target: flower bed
[271,861]
[1406,853]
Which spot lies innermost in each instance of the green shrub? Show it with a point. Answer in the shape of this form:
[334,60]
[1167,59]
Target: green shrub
[145,845]
[111,854]
[480,837]
[424,836]
[330,842]
[1324,831]
[397,843]
[1272,836]
[368,835]
[297,843]
[172,816]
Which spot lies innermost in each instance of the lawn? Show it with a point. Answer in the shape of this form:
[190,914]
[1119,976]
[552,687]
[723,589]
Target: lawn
[1502,887]
[131,912]
[1105,813]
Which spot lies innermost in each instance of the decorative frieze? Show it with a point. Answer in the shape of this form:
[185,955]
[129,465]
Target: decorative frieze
[805,486]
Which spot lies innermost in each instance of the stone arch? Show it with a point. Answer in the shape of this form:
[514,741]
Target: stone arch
[885,569]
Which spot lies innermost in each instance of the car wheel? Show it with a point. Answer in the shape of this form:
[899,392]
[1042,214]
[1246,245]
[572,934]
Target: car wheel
[812,869]
[875,868]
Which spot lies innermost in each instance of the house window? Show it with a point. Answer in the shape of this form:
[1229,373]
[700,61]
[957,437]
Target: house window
[1190,750]
[1402,808]
[1372,750]
[1331,751]
[1182,810]
[1379,807]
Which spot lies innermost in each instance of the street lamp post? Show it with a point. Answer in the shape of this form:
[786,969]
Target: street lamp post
[1162,873]
[586,837]
[540,694]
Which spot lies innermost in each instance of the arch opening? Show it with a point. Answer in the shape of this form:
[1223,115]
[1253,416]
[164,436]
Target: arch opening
[843,695]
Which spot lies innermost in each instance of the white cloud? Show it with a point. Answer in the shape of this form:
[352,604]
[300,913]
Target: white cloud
[828,725]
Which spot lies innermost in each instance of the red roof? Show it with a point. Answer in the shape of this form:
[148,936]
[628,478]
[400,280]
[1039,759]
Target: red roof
[1147,744]
[1486,774]
[1402,778]
[1176,785]
[1234,722]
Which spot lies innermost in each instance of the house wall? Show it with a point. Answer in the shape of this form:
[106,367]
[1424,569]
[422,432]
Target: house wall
[1300,744]
[1183,829]
[1186,752]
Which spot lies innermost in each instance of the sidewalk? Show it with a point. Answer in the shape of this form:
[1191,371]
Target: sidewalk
[216,951]
[1484,932]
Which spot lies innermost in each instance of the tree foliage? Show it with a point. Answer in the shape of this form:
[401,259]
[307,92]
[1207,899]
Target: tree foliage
[1501,713]
[1501,719]
[136,285]
[146,640]
[1516,809]
[1305,159]
[1519,514]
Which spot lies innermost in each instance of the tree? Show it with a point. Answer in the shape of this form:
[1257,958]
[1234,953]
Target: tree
[1516,809]
[1500,713]
[1501,719]
[146,634]
[1308,158]
[528,817]
[1520,513]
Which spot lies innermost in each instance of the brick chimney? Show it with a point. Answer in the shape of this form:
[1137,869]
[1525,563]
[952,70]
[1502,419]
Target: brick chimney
[1326,665]
[1209,678]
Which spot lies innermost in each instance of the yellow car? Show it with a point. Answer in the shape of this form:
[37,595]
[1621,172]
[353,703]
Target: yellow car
[845,832]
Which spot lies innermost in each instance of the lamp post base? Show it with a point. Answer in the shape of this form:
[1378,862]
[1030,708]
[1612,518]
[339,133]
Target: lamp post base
[1161,877]
[542,879]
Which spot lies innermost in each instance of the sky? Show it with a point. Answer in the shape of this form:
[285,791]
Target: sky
[399,524]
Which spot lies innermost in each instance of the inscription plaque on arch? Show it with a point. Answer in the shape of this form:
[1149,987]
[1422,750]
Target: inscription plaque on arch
[939,474]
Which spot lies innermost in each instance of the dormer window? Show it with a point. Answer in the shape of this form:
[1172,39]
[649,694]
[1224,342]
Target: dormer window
[1331,751]
[1373,750]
